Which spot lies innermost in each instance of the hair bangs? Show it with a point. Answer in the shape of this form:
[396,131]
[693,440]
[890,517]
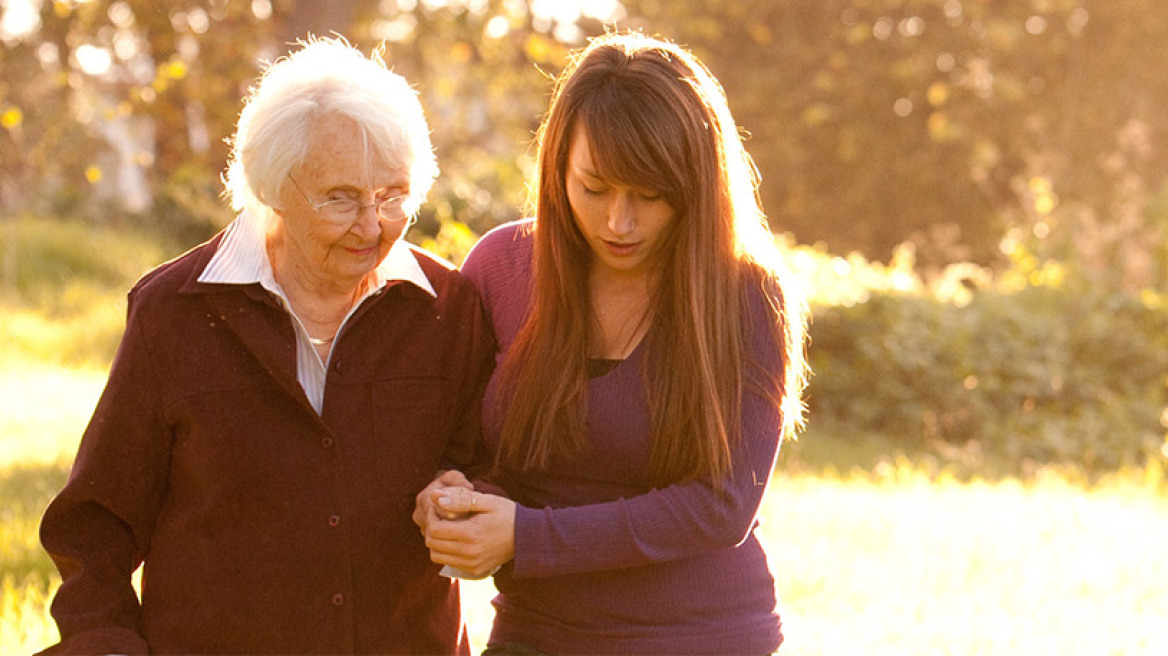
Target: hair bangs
[634,139]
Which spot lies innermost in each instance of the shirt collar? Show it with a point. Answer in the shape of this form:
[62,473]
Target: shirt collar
[242,258]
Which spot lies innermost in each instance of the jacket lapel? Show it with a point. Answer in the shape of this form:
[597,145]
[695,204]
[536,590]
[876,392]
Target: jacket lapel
[257,319]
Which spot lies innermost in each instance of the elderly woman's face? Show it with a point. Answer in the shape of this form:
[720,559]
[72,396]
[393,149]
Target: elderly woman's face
[337,166]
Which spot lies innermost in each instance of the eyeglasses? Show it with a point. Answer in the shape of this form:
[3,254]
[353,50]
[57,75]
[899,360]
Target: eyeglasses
[346,211]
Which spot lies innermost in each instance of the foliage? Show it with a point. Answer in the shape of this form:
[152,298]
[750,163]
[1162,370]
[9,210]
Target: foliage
[943,122]
[949,123]
[136,100]
[1041,375]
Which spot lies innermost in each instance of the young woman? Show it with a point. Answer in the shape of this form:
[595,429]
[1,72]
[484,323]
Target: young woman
[650,362]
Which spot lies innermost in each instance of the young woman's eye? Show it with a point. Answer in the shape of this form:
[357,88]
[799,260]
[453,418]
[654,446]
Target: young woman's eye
[591,191]
[651,198]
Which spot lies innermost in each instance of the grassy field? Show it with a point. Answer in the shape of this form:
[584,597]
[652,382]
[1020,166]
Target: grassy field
[887,561]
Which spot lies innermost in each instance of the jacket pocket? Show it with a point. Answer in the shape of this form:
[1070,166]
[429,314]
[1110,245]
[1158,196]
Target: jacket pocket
[412,419]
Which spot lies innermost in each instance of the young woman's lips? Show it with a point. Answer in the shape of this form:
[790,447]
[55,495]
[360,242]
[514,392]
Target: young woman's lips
[621,249]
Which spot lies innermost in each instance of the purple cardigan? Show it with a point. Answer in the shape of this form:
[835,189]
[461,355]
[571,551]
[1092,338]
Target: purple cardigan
[266,528]
[605,563]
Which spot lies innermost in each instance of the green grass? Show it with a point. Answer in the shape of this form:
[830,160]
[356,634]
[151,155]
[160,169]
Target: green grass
[63,287]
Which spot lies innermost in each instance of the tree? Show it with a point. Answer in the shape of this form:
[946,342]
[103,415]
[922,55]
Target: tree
[974,129]
[945,122]
[146,93]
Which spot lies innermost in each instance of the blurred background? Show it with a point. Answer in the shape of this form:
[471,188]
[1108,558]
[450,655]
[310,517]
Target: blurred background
[974,194]
[964,128]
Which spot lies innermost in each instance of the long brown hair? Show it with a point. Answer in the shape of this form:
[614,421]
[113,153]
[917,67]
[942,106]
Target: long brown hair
[655,119]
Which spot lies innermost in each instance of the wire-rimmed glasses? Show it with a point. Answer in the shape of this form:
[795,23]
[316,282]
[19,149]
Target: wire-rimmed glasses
[346,211]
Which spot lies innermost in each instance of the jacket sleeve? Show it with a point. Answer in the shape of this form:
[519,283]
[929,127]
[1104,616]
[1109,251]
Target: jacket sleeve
[466,449]
[672,523]
[98,528]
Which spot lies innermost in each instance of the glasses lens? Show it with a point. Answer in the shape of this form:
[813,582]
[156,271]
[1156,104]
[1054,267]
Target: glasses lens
[392,209]
[340,211]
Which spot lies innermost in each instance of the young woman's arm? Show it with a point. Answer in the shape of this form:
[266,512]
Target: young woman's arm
[661,525]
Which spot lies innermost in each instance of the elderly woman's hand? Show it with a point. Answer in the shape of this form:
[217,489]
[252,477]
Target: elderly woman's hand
[481,538]
[424,509]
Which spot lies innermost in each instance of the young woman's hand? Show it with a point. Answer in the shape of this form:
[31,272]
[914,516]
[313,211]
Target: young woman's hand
[479,539]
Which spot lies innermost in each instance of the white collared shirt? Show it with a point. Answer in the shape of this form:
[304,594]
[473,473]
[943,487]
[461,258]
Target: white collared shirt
[242,258]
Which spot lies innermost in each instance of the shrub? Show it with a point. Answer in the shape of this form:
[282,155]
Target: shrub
[1042,374]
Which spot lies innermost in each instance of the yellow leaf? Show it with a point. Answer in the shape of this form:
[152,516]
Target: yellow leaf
[11,118]
[938,94]
[1044,204]
[537,48]
[761,34]
[940,128]
[176,69]
[816,114]
[461,52]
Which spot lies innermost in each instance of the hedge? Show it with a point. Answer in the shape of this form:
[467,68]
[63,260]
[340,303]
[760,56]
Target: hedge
[1042,375]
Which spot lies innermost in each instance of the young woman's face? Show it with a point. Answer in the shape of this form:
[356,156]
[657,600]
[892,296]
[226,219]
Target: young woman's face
[624,226]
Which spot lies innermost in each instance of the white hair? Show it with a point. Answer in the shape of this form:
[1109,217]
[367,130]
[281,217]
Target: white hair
[325,76]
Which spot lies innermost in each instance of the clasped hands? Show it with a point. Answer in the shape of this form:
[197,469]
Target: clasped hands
[466,529]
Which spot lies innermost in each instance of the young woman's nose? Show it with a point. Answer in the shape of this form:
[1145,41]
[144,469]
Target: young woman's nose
[622,214]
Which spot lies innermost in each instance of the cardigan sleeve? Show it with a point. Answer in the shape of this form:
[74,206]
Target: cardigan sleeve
[668,524]
[97,530]
[661,525]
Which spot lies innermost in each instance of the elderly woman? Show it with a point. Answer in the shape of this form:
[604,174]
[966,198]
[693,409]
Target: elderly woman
[280,395]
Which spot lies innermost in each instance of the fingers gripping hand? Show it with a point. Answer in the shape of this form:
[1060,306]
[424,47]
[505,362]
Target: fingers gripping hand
[424,510]
[478,543]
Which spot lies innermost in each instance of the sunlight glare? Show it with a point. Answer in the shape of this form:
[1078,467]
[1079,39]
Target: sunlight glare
[21,17]
[397,30]
[604,11]
[498,27]
[48,54]
[1078,20]
[199,21]
[1036,25]
[560,12]
[93,60]
[261,9]
[121,15]
[126,46]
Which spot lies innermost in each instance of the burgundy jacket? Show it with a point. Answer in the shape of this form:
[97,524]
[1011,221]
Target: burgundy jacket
[265,528]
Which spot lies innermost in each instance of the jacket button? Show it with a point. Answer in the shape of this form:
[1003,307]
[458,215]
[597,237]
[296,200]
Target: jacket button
[335,520]
[327,442]
[338,599]
[338,366]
